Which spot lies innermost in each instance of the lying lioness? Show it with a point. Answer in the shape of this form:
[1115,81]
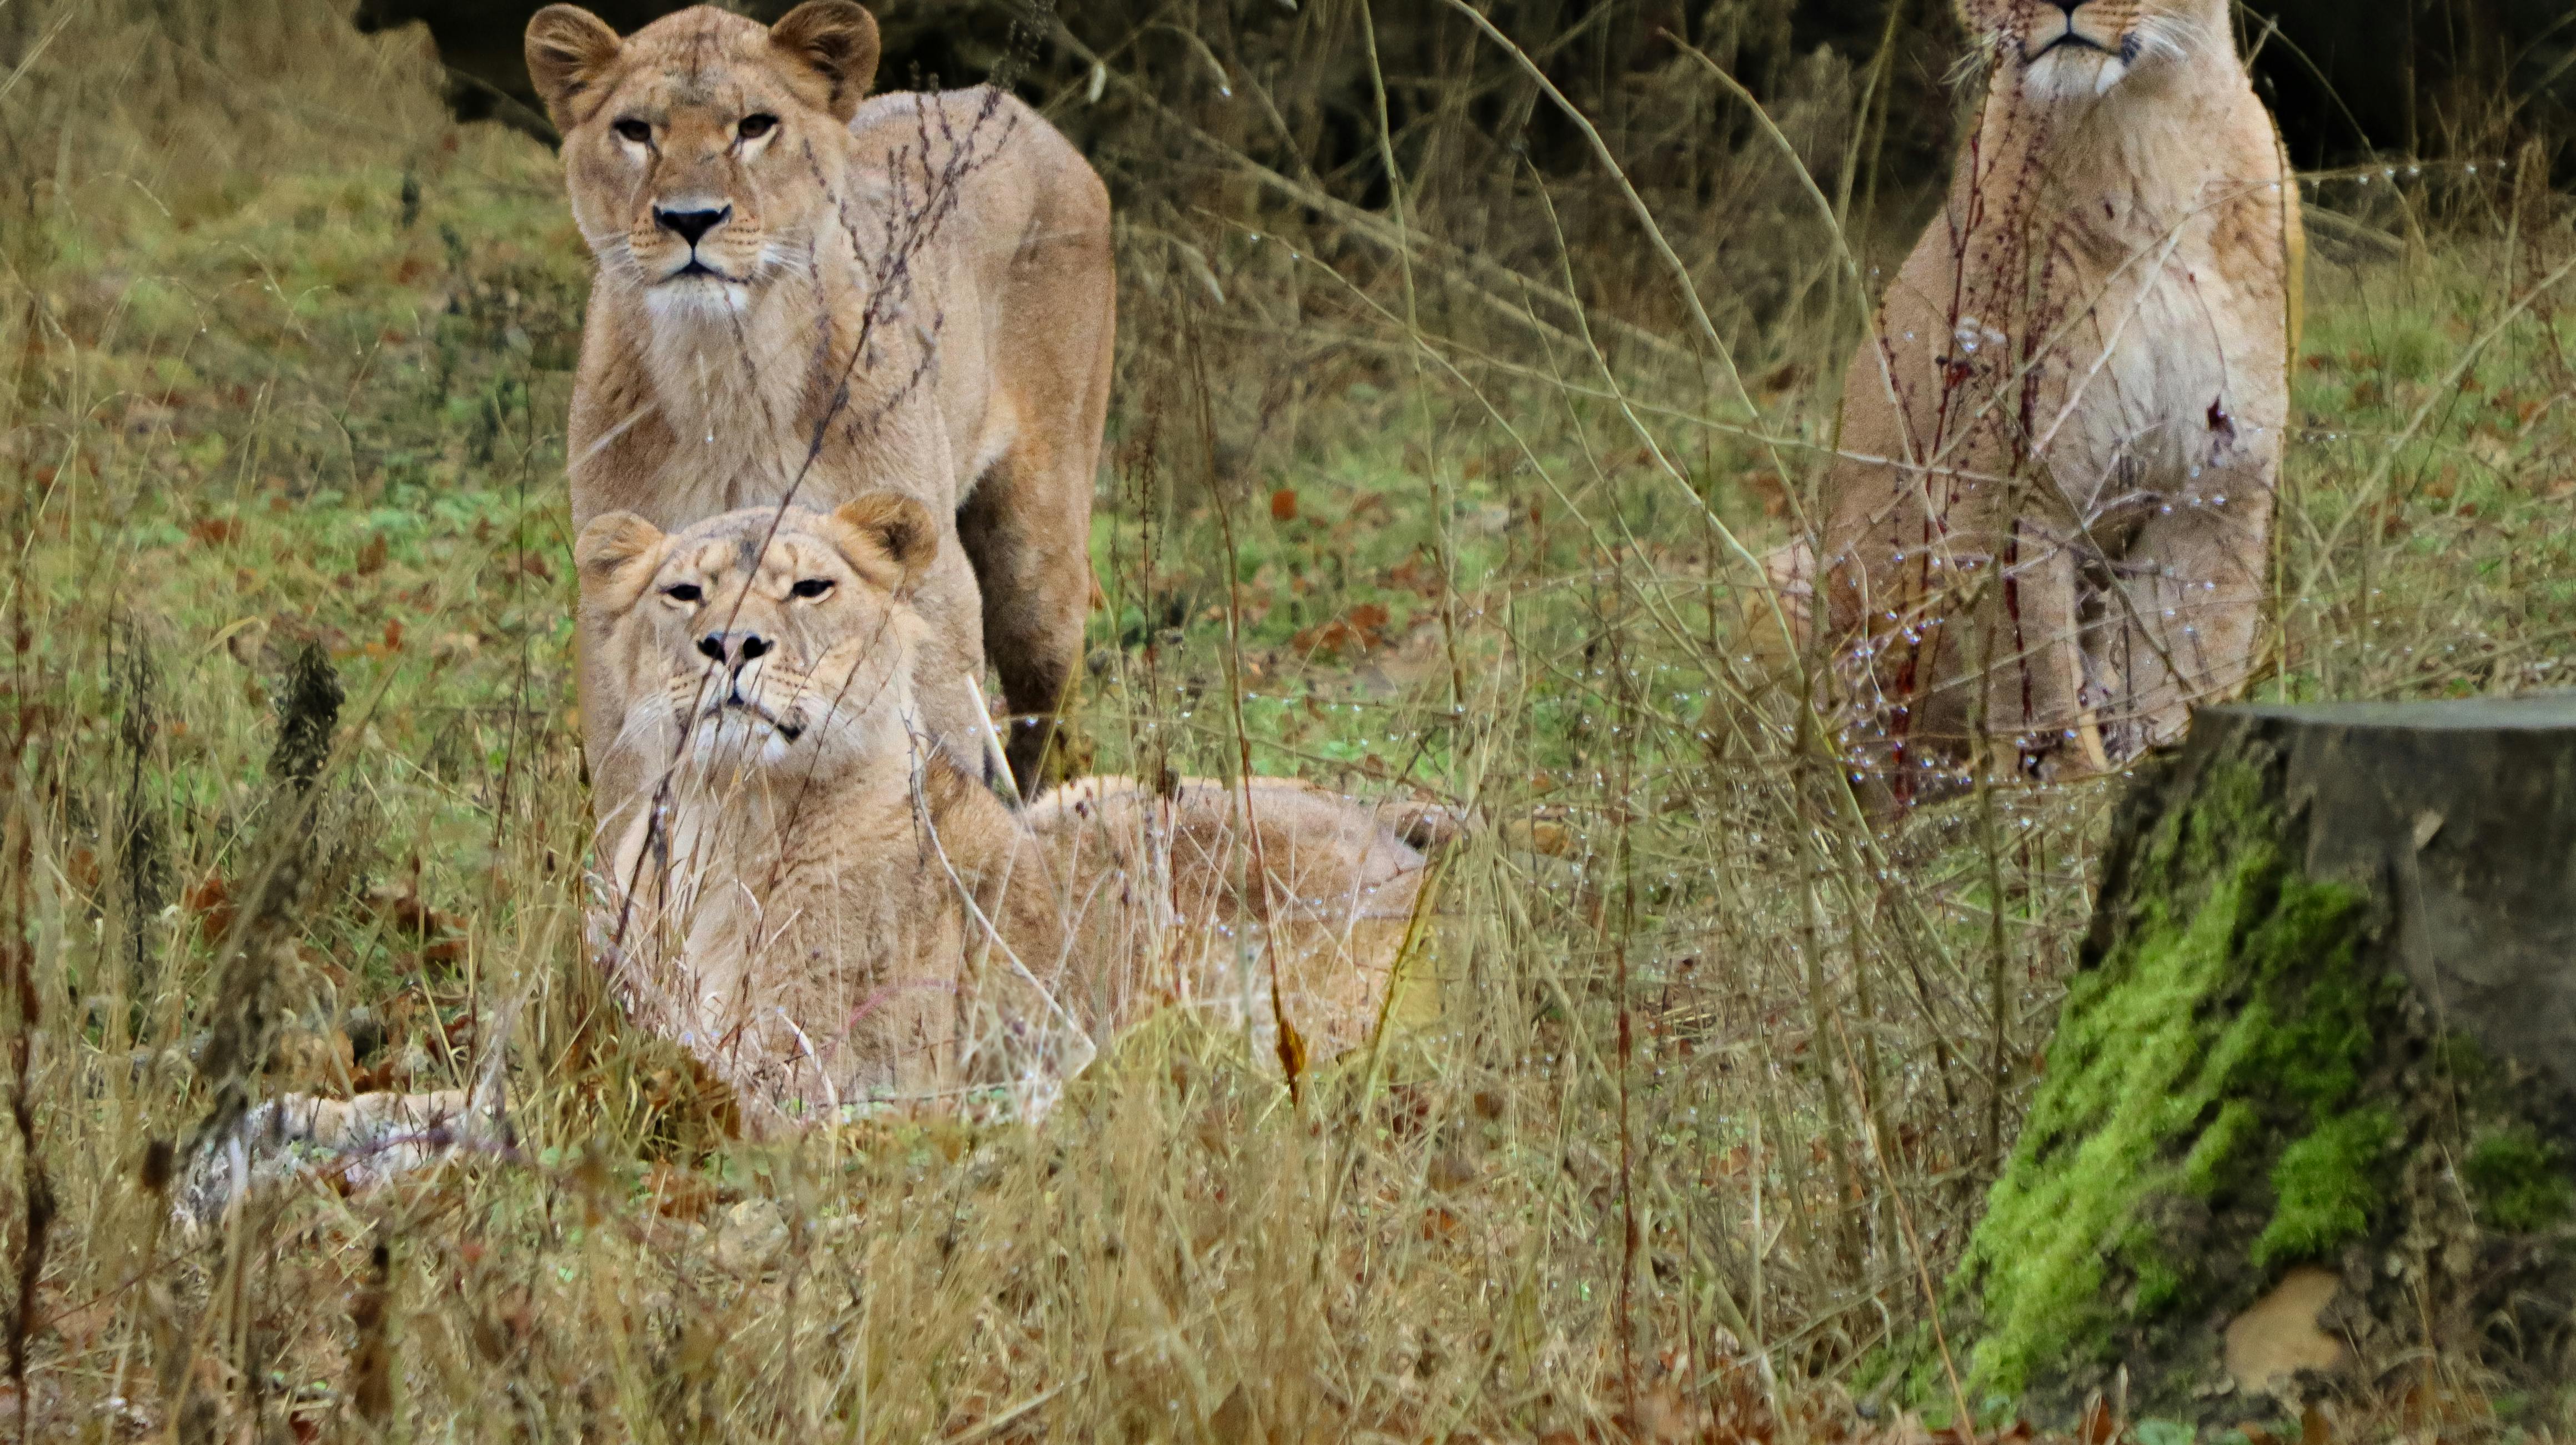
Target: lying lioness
[839,918]
[833,912]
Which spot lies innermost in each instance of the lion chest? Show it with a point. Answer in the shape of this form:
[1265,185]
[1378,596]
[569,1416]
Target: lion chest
[2171,379]
[685,411]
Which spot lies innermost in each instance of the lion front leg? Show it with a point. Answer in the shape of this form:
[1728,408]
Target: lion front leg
[947,670]
[1027,530]
[2032,639]
[2184,613]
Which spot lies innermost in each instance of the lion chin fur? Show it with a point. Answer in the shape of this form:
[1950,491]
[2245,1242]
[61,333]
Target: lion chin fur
[2047,531]
[804,292]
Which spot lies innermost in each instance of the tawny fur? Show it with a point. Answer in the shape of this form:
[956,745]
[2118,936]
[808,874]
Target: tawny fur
[841,922]
[2051,520]
[912,293]
[834,914]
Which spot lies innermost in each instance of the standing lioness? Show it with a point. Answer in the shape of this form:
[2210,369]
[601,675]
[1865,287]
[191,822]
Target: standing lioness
[800,296]
[2052,514]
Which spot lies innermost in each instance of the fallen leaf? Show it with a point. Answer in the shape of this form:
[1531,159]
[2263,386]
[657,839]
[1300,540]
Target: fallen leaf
[82,870]
[2097,1426]
[211,901]
[679,1193]
[403,909]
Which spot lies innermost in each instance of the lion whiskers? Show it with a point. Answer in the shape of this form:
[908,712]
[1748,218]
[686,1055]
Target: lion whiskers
[613,250]
[2169,36]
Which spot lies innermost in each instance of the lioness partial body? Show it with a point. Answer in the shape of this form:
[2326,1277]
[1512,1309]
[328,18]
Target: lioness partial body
[801,296]
[839,919]
[2051,520]
[835,914]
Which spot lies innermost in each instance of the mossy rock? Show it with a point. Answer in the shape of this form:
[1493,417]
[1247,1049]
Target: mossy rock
[2248,1078]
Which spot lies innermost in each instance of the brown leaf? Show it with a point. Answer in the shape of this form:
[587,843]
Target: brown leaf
[82,870]
[2097,1426]
[1292,1052]
[1413,574]
[402,909]
[211,901]
[1283,505]
[679,1193]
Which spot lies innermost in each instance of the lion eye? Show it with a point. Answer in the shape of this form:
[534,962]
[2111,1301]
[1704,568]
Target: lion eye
[637,131]
[811,588]
[683,592]
[756,125]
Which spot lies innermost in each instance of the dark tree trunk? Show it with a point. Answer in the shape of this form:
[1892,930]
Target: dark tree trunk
[2308,1106]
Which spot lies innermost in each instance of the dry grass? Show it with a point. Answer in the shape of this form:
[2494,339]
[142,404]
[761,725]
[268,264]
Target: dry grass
[1695,1103]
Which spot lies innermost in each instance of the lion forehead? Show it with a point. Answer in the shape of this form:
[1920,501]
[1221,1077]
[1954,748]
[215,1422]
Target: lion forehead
[715,559]
[707,59]
[803,554]
[684,87]
[773,552]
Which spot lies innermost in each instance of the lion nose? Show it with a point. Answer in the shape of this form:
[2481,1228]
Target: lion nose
[734,648]
[2069,6]
[690,225]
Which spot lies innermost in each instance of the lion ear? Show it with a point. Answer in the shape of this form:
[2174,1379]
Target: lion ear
[837,39]
[897,525]
[568,48]
[617,554]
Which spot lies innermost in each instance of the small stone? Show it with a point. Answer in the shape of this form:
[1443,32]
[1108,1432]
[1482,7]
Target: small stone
[2271,1343]
[751,1234]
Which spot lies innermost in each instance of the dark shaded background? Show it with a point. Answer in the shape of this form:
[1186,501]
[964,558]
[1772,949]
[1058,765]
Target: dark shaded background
[2350,79]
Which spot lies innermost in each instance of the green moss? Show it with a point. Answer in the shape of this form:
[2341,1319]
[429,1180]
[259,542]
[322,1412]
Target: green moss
[2233,1013]
[2219,1144]
[2159,1283]
[2323,1187]
[2518,1181]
